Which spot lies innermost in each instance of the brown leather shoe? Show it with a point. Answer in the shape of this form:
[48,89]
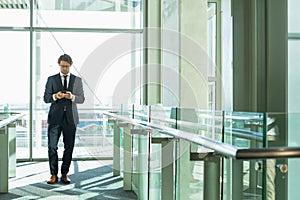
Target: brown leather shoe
[64,179]
[53,179]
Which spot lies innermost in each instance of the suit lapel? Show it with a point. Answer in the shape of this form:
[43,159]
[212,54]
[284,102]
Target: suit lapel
[71,82]
[58,80]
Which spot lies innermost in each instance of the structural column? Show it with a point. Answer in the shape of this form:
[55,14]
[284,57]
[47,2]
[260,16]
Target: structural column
[260,65]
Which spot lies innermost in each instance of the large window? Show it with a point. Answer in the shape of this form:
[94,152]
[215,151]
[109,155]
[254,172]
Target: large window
[170,53]
[113,14]
[103,38]
[103,60]
[15,79]
[212,51]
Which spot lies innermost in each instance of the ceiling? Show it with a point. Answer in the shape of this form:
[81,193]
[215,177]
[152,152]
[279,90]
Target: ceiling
[14,4]
[69,5]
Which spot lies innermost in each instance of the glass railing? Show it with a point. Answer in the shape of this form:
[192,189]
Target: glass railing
[8,121]
[94,136]
[176,153]
[184,153]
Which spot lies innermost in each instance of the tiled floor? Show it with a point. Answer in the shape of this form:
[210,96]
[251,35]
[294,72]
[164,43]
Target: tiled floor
[90,180]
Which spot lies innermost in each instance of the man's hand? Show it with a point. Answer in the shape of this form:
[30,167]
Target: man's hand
[68,95]
[59,95]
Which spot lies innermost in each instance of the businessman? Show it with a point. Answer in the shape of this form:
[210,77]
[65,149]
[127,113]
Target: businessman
[64,91]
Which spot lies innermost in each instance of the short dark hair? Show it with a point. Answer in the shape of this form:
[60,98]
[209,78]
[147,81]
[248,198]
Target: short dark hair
[66,58]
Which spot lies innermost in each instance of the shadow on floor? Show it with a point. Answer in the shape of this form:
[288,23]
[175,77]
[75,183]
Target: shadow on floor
[96,183]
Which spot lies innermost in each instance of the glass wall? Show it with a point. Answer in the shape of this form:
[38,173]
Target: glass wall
[15,79]
[113,14]
[212,51]
[208,47]
[170,52]
[104,40]
[103,72]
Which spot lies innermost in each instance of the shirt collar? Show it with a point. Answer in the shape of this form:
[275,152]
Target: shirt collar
[61,74]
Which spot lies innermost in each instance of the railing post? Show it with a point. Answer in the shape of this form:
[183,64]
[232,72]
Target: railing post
[168,170]
[140,162]
[11,130]
[253,175]
[116,148]
[128,155]
[237,180]
[211,178]
[4,160]
[184,173]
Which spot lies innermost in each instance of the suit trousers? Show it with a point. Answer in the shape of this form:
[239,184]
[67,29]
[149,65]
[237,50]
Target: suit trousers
[54,132]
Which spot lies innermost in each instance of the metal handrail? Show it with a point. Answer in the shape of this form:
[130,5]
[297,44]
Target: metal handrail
[271,152]
[219,147]
[11,119]
[246,134]
[225,149]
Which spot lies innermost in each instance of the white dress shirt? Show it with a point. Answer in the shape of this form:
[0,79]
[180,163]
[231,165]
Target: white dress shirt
[62,81]
[63,78]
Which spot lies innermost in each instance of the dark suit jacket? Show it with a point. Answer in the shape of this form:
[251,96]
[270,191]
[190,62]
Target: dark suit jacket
[56,112]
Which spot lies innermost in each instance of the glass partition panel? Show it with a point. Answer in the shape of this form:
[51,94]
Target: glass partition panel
[245,129]
[94,136]
[276,126]
[238,179]
[160,158]
[210,124]
[244,179]
[141,112]
[163,116]
[282,131]
[126,110]
[88,14]
[160,116]
[271,179]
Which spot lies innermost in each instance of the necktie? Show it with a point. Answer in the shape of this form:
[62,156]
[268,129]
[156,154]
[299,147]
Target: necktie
[65,82]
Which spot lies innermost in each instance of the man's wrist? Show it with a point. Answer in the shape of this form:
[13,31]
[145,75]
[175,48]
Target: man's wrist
[54,97]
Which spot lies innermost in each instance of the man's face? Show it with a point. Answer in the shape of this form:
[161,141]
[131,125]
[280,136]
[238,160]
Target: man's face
[64,67]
